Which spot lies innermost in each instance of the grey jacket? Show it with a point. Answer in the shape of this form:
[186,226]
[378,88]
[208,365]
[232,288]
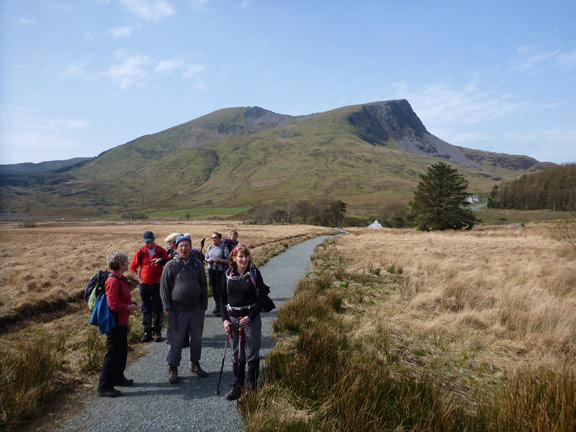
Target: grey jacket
[183,285]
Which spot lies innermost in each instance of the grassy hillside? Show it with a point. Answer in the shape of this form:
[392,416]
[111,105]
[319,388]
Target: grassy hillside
[242,157]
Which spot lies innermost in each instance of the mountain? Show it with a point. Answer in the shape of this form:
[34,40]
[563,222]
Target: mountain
[365,155]
[28,168]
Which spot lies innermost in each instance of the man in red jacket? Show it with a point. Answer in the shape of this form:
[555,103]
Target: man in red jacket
[151,259]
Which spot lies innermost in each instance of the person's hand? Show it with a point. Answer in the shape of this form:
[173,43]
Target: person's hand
[132,307]
[244,321]
[227,326]
[155,261]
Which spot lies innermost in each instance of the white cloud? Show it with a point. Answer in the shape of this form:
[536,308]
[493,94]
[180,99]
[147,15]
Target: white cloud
[28,21]
[149,10]
[192,70]
[130,71]
[199,4]
[168,65]
[442,104]
[121,32]
[25,135]
[535,60]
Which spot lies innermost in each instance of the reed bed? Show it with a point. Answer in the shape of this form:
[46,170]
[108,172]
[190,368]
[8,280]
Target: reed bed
[448,331]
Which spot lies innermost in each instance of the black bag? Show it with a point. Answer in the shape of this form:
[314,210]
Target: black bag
[266,303]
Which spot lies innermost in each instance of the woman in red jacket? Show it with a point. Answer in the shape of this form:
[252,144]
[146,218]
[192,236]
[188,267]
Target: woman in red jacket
[120,301]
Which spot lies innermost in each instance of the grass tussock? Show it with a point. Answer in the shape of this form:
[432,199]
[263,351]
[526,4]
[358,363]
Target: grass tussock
[470,331]
[29,378]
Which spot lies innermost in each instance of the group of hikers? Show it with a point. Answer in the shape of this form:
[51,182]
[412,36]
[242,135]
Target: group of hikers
[173,282]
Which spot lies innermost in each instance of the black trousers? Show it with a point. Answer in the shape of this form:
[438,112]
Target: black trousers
[115,358]
[215,277]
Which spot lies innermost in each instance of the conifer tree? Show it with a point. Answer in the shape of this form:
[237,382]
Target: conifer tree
[440,200]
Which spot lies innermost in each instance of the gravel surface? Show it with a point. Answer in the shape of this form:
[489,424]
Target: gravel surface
[152,404]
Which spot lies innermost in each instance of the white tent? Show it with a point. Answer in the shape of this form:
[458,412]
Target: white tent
[375,224]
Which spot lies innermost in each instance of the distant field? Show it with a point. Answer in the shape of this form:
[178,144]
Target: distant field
[194,212]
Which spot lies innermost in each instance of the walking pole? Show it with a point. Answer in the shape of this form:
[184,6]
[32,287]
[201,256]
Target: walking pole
[222,367]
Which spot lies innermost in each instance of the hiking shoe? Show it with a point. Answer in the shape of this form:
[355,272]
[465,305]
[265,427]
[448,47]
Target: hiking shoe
[146,338]
[112,393]
[216,311]
[197,370]
[157,337]
[234,393]
[174,379]
[125,382]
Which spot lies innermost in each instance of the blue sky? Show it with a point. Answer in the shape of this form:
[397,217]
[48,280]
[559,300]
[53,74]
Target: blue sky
[78,77]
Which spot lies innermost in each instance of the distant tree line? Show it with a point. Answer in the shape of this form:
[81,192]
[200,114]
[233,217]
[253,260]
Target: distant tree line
[322,212]
[554,188]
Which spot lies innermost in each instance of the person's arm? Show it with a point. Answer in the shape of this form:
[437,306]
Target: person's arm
[112,288]
[135,262]
[203,287]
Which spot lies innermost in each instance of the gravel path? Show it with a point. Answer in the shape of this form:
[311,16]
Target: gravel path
[152,404]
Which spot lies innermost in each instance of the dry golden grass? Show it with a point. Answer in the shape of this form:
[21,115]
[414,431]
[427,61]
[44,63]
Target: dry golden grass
[446,331]
[55,260]
[476,303]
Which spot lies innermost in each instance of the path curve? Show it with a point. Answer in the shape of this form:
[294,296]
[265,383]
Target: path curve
[192,405]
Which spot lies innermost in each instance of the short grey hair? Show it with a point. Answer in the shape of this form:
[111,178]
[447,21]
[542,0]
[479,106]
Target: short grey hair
[115,258]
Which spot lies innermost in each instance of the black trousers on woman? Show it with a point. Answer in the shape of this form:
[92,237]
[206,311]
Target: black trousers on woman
[215,277]
[115,358]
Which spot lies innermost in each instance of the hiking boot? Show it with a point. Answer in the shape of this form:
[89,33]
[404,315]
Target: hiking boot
[234,393]
[197,370]
[158,337]
[125,382]
[216,311]
[174,379]
[146,338]
[112,393]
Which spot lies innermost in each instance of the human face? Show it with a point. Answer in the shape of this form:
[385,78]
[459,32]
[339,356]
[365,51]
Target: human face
[215,239]
[242,260]
[171,244]
[233,235]
[184,249]
[150,244]
[124,266]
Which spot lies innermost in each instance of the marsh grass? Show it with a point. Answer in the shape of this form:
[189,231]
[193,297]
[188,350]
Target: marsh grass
[29,377]
[470,331]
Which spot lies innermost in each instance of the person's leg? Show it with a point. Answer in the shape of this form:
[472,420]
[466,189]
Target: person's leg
[123,356]
[253,338]
[175,331]
[196,328]
[147,308]
[238,364]
[213,278]
[111,363]
[158,310]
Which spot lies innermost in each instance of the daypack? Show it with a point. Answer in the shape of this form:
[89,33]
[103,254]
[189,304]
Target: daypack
[95,287]
[266,303]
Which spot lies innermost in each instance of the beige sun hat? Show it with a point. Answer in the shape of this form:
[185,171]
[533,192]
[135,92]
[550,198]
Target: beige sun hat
[172,237]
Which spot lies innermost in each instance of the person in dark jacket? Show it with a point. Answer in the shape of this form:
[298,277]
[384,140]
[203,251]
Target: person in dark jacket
[184,293]
[150,259]
[240,298]
[119,300]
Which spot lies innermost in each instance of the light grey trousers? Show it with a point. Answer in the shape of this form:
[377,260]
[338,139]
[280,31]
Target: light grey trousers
[249,348]
[178,324]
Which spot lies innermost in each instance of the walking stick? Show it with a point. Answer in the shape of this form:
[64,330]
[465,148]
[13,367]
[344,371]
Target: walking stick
[222,367]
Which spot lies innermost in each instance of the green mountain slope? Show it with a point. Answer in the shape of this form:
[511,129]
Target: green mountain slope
[365,155]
